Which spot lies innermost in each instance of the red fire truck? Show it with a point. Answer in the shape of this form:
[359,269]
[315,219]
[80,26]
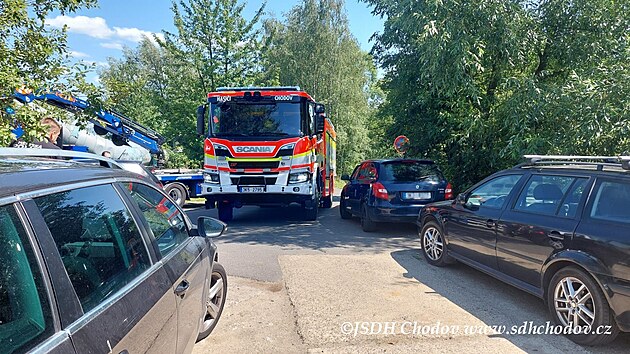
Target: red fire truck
[267,146]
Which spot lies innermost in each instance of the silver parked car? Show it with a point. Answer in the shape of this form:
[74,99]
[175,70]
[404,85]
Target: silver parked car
[99,260]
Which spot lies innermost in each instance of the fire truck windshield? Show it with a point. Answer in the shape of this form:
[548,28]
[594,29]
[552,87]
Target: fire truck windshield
[237,119]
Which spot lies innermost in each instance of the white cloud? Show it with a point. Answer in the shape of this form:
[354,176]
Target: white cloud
[112,45]
[97,27]
[134,34]
[77,54]
[92,26]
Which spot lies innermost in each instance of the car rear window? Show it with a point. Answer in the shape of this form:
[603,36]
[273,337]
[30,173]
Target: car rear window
[405,171]
[612,202]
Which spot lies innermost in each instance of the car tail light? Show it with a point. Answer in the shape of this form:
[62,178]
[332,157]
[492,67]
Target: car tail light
[379,191]
[448,192]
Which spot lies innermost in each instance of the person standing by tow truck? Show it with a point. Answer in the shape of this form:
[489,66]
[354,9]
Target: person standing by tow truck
[50,142]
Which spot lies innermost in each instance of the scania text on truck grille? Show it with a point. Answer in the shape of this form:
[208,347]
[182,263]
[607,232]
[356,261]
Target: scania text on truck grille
[266,146]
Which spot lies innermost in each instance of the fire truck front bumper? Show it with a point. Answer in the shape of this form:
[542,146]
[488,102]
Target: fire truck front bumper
[275,195]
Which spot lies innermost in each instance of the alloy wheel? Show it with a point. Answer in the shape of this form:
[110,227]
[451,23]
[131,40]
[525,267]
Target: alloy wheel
[573,303]
[215,300]
[433,244]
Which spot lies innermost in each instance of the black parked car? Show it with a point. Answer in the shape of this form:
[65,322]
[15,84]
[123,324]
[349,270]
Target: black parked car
[557,227]
[392,190]
[99,260]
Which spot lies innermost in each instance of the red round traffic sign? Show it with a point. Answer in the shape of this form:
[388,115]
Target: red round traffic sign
[401,144]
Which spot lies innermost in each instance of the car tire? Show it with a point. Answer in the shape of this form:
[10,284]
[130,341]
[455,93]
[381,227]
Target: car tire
[177,192]
[434,244]
[226,212]
[215,301]
[366,223]
[343,211]
[565,308]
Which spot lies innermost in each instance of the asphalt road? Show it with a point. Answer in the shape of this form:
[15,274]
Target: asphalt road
[331,270]
[257,236]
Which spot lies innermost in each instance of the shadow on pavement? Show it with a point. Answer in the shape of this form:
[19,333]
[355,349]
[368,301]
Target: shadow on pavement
[286,227]
[488,298]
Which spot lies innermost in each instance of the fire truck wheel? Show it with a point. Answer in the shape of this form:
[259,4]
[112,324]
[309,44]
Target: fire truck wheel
[327,202]
[311,214]
[226,212]
[311,209]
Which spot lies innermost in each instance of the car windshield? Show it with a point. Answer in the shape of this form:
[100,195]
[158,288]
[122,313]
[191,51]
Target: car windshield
[407,171]
[261,119]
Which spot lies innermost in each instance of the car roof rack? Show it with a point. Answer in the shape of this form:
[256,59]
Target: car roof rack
[568,160]
[57,153]
[250,88]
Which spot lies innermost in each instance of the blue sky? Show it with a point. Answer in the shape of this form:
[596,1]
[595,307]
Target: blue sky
[99,33]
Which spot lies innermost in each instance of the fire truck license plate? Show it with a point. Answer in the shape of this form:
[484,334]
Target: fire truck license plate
[252,189]
[417,195]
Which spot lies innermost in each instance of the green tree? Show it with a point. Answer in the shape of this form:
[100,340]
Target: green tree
[315,50]
[160,86]
[35,56]
[148,85]
[214,38]
[477,84]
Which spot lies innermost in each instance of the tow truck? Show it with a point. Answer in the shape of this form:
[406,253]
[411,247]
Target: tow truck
[266,146]
[110,131]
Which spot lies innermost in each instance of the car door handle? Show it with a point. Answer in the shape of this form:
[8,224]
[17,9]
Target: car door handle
[491,223]
[181,289]
[557,235]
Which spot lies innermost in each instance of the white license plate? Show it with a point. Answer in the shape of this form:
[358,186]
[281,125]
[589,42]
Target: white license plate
[417,195]
[252,189]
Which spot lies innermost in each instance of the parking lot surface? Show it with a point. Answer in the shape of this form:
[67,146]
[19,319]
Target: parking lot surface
[328,287]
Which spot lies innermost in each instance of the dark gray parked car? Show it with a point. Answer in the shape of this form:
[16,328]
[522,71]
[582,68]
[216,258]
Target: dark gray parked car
[100,260]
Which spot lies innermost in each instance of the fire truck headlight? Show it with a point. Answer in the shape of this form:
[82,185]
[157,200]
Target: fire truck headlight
[299,177]
[211,177]
[288,146]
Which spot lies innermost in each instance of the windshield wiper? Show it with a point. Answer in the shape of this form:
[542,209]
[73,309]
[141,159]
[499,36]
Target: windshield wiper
[275,134]
[230,134]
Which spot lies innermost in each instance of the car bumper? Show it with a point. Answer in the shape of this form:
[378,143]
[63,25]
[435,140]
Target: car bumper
[620,304]
[392,213]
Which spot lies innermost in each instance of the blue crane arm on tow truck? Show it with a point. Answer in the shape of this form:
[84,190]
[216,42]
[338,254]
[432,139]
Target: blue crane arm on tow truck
[122,128]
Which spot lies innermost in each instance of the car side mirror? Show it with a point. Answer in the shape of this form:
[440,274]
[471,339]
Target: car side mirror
[345,177]
[210,227]
[201,120]
[461,199]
